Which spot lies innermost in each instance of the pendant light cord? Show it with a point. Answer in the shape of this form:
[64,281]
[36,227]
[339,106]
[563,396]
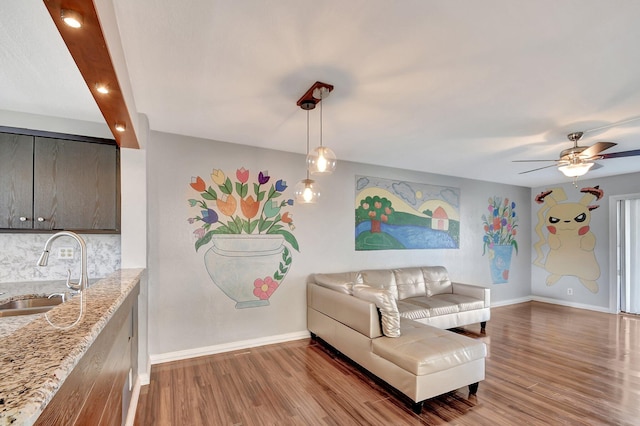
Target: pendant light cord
[321,97]
[308,140]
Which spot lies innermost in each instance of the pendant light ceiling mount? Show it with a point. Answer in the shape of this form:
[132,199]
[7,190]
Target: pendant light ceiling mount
[309,101]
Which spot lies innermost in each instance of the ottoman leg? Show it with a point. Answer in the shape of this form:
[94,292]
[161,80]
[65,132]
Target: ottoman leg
[417,407]
[473,388]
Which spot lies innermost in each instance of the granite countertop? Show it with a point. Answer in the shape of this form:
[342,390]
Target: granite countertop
[38,352]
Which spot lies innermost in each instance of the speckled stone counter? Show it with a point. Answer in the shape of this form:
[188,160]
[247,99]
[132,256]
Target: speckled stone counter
[38,353]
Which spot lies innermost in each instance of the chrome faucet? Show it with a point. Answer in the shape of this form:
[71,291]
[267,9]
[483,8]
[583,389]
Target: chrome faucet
[84,279]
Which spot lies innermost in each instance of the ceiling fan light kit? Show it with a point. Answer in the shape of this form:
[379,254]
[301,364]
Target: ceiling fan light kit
[578,160]
[574,170]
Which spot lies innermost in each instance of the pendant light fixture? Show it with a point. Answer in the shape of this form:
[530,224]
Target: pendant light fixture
[307,191]
[322,160]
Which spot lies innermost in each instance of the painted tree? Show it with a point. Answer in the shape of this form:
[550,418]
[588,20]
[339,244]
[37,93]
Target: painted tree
[375,209]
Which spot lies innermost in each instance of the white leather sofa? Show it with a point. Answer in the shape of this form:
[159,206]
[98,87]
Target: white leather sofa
[392,322]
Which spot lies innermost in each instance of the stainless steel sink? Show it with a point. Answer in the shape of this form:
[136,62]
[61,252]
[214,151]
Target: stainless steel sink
[34,305]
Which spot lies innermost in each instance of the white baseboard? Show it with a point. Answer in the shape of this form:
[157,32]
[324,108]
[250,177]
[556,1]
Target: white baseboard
[570,304]
[511,301]
[225,347]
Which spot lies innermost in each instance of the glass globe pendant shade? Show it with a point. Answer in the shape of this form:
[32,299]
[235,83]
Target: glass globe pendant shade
[307,191]
[321,161]
[575,169]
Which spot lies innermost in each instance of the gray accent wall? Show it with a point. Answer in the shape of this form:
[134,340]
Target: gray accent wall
[187,311]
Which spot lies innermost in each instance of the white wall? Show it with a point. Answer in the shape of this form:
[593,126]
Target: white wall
[187,311]
[601,220]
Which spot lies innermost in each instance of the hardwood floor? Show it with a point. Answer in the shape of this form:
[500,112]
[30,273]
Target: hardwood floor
[547,365]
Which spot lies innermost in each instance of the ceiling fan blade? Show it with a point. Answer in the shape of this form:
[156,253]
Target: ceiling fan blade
[529,161]
[596,149]
[596,166]
[539,168]
[621,154]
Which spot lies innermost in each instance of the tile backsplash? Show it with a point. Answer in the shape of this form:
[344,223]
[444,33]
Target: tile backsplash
[19,254]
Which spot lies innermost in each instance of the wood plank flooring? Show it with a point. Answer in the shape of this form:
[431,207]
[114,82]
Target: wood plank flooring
[547,365]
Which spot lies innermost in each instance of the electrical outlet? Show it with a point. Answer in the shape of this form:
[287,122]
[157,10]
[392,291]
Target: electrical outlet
[569,292]
[65,253]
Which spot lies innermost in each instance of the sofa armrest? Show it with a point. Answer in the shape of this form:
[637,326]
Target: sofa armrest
[476,292]
[355,313]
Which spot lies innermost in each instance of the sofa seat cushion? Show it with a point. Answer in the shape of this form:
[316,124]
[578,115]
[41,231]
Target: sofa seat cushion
[422,349]
[465,303]
[424,307]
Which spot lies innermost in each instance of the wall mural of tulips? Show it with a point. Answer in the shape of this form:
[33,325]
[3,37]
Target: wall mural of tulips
[248,228]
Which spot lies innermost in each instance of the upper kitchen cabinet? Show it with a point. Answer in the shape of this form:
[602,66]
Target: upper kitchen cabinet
[16,181]
[52,182]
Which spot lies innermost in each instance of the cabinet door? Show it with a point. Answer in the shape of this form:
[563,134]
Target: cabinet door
[74,185]
[16,181]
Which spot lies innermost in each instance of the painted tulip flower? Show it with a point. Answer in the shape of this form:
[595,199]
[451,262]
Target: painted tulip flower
[263,177]
[242,175]
[249,207]
[209,216]
[281,185]
[218,177]
[198,184]
[227,206]
[271,209]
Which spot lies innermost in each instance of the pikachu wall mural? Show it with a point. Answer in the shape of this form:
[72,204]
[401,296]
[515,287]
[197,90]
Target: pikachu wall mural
[568,235]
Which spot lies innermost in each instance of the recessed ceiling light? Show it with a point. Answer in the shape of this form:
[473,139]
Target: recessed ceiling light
[71,18]
[102,88]
[121,127]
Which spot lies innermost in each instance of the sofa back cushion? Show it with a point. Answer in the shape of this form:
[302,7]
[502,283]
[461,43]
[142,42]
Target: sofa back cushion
[386,303]
[436,279]
[340,281]
[410,282]
[380,278]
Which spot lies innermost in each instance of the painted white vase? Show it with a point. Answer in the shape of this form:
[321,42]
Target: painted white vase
[236,261]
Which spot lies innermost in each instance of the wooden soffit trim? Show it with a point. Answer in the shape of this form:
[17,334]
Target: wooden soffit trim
[89,50]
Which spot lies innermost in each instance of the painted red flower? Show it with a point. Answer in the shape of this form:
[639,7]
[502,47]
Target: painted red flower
[198,184]
[264,288]
[242,175]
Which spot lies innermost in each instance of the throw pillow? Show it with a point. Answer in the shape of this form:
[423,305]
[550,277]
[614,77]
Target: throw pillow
[386,303]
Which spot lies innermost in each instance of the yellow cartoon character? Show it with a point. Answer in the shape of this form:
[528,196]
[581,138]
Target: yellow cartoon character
[570,239]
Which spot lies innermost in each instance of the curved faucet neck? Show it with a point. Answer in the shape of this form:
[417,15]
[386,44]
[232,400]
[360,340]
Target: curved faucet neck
[44,258]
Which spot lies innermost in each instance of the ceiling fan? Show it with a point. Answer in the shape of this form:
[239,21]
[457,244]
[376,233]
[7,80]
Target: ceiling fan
[578,160]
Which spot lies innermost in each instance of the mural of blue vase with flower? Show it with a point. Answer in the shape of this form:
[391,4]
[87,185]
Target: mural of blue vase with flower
[500,227]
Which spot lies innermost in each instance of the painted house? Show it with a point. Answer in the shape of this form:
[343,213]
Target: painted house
[440,219]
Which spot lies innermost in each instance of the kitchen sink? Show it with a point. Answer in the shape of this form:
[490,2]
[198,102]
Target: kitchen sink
[28,306]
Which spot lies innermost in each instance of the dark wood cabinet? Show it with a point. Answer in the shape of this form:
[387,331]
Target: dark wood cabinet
[51,183]
[16,181]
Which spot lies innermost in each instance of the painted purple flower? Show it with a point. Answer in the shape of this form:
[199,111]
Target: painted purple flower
[209,216]
[504,221]
[263,177]
[191,220]
[281,185]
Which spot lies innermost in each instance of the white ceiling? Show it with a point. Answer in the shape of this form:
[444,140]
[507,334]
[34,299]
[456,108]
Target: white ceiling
[459,88]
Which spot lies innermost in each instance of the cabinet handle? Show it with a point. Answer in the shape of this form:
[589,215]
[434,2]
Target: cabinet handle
[23,219]
[41,219]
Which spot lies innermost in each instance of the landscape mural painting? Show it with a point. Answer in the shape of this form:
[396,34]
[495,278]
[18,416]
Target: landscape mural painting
[398,215]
